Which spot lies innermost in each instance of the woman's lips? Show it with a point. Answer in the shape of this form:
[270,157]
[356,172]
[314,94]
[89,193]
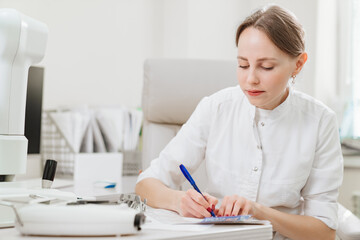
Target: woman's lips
[254,93]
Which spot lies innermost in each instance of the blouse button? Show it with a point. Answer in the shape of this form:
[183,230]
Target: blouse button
[259,147]
[262,124]
[255,169]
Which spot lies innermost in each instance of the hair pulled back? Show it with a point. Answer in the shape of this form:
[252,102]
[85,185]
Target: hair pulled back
[280,25]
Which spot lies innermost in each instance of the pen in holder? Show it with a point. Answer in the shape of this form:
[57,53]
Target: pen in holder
[49,173]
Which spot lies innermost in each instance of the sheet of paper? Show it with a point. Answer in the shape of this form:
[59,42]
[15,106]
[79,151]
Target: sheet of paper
[164,219]
[168,217]
[168,220]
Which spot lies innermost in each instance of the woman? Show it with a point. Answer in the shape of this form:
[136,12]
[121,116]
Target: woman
[270,151]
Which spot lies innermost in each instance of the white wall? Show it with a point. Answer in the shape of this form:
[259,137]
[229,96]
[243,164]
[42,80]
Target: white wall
[96,48]
[211,27]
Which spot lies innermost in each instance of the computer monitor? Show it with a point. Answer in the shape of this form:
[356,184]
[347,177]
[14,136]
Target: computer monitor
[34,109]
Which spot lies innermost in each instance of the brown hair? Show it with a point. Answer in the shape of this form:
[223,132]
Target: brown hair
[280,26]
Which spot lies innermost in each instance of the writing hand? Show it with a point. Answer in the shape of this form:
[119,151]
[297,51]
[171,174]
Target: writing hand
[193,204]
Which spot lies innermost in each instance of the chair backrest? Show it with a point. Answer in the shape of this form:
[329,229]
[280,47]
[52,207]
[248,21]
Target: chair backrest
[171,91]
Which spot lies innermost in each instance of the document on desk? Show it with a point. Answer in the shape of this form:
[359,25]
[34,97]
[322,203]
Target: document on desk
[164,219]
[168,220]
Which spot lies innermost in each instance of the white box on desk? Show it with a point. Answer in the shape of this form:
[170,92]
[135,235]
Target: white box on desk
[90,169]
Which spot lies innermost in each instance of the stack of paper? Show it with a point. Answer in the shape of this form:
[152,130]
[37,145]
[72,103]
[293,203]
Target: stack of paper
[133,121]
[164,219]
[72,126]
[111,123]
[99,130]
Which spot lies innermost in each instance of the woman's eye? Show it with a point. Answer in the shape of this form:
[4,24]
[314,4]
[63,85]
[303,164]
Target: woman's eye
[243,66]
[268,68]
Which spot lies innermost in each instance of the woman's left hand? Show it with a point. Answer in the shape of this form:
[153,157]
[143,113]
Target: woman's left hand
[235,205]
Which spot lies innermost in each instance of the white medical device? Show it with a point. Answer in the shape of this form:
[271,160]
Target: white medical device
[22,43]
[58,213]
[79,220]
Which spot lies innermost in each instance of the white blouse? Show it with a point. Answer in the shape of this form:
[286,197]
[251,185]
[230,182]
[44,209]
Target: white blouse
[288,158]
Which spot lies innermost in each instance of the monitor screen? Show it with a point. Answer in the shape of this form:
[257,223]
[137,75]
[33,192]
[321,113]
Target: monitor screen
[34,109]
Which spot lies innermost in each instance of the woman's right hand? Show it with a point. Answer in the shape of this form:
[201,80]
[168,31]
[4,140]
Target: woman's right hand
[193,204]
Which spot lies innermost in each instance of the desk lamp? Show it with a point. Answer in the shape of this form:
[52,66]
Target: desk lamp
[22,43]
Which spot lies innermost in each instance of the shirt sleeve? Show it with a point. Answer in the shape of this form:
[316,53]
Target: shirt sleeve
[322,187]
[187,147]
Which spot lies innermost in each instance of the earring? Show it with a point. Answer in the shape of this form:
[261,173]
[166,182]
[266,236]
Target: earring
[293,79]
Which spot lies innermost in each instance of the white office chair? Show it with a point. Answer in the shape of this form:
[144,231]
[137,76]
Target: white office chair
[172,89]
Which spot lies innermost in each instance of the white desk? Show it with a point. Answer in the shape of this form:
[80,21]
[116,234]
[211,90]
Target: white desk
[128,186]
[260,232]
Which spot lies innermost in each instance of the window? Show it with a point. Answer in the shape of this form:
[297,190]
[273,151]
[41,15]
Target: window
[349,66]
[355,65]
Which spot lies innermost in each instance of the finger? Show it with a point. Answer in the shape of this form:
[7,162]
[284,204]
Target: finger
[198,198]
[196,209]
[187,210]
[222,207]
[199,211]
[236,208]
[247,208]
[211,200]
[229,207]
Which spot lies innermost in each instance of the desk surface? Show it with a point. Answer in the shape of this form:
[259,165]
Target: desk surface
[215,232]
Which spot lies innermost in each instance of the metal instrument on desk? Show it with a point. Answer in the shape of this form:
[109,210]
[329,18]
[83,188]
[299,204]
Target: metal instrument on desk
[131,200]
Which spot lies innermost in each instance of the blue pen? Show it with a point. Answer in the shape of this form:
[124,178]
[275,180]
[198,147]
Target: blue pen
[192,182]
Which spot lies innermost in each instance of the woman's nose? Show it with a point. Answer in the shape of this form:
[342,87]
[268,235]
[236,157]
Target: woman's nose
[252,77]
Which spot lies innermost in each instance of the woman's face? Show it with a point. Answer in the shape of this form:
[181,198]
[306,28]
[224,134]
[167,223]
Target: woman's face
[263,69]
